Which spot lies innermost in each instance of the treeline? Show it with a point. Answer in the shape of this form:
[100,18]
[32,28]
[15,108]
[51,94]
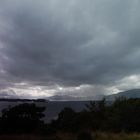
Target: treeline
[122,115]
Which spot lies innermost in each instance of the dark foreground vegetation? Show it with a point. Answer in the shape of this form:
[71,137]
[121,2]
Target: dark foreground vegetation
[119,120]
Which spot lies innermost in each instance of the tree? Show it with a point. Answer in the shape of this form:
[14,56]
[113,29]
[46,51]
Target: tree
[66,120]
[22,118]
[97,111]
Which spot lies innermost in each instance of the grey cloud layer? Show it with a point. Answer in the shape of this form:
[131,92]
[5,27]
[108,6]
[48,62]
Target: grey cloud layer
[70,43]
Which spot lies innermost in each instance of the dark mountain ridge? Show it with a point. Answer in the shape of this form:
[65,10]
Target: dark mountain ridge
[133,93]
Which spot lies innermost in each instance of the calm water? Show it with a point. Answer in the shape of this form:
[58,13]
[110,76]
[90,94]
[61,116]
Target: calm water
[52,107]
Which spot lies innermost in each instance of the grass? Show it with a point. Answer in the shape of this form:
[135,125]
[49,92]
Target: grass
[103,136]
[68,136]
[26,137]
[113,136]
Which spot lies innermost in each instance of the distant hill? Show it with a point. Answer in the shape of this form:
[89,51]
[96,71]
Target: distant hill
[73,98]
[21,100]
[133,93]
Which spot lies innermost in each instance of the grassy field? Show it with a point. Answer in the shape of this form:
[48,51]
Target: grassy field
[66,136]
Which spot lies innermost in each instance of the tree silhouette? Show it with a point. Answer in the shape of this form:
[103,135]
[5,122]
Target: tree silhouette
[22,118]
[66,120]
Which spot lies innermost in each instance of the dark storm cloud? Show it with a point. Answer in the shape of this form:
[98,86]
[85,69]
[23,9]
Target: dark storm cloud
[69,43]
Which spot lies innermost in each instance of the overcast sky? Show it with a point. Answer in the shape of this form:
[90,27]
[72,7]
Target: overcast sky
[80,48]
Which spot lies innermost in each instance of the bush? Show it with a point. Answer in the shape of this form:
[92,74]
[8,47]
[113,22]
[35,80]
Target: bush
[84,136]
[22,118]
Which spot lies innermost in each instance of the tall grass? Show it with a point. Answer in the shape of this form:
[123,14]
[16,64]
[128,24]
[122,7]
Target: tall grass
[68,136]
[103,136]
[113,136]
